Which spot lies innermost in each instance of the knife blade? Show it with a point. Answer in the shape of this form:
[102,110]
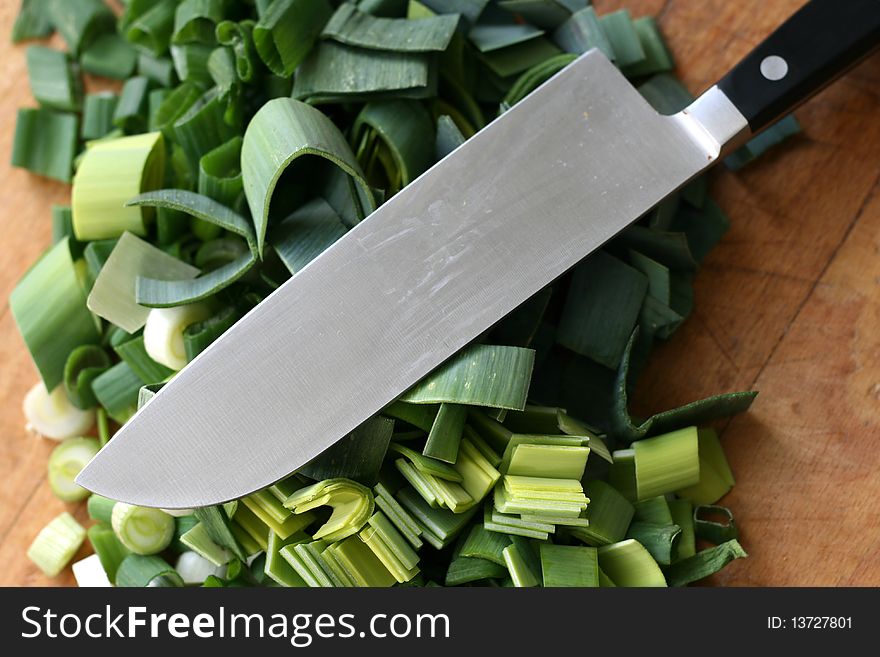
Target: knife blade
[513,208]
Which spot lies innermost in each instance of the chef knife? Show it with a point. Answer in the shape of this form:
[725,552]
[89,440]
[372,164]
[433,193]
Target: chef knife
[524,200]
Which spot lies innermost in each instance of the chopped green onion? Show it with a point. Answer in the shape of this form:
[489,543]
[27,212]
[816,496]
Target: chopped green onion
[220,173]
[564,565]
[131,111]
[197,336]
[142,530]
[609,514]
[350,26]
[55,545]
[163,333]
[53,416]
[659,540]
[618,27]
[156,69]
[134,354]
[109,175]
[628,563]
[53,81]
[65,463]
[581,32]
[306,233]
[484,544]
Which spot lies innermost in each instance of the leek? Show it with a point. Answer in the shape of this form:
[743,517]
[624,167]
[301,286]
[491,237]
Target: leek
[195,569]
[110,56]
[163,333]
[704,563]
[628,563]
[666,463]
[55,545]
[53,81]
[109,175]
[351,502]
[147,571]
[564,565]
[65,463]
[142,530]
[48,306]
[286,32]
[53,416]
[109,551]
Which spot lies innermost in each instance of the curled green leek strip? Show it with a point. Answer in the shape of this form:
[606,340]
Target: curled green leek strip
[280,133]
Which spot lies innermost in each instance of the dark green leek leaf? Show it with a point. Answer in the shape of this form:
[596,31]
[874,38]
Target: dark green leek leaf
[350,26]
[657,56]
[714,524]
[449,137]
[49,307]
[704,563]
[216,523]
[151,31]
[191,62]
[659,540]
[110,56]
[618,27]
[286,32]
[203,127]
[535,77]
[334,72]
[480,375]
[45,143]
[601,308]
[704,227]
[546,14]
[117,391]
[281,132]
[83,366]
[757,146]
[470,10]
[131,110]
[666,94]
[406,130]
[357,456]
[98,111]
[54,84]
[564,565]
[495,36]
[196,337]
[158,69]
[34,21]
[463,570]
[520,57]
[239,37]
[165,294]
[196,20]
[581,32]
[135,355]
[80,23]
[198,206]
[446,432]
[306,233]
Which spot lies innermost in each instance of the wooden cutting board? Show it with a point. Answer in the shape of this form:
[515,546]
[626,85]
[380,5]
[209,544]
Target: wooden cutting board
[788,304]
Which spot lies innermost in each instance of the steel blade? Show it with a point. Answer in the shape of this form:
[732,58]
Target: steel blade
[483,230]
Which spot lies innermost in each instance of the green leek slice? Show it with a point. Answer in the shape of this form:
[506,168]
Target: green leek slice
[65,463]
[98,111]
[196,20]
[351,502]
[109,175]
[111,553]
[82,367]
[306,233]
[286,31]
[113,294]
[564,565]
[628,563]
[48,306]
[352,27]
[581,32]
[666,463]
[716,478]
[714,524]
[55,545]
[357,456]
[142,530]
[151,31]
[80,23]
[281,132]
[45,142]
[481,375]
[334,72]
[704,563]
[53,81]
[110,56]
[140,571]
[34,21]
[198,540]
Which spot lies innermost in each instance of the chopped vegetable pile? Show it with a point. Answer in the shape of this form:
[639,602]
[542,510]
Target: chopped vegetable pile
[246,137]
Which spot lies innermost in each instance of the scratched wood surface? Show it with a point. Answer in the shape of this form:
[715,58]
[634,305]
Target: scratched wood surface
[788,304]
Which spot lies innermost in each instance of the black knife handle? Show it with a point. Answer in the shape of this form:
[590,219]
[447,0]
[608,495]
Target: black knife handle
[812,48]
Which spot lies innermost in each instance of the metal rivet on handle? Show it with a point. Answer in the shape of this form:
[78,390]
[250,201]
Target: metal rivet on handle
[774,68]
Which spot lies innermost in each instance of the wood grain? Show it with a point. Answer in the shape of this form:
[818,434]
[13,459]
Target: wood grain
[788,304]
